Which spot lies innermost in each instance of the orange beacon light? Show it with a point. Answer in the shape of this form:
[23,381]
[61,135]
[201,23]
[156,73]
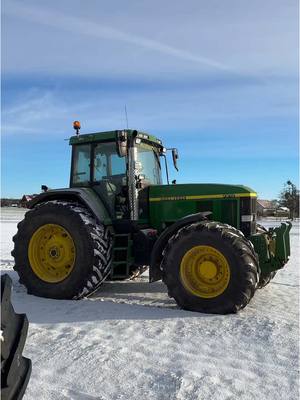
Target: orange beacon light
[76,126]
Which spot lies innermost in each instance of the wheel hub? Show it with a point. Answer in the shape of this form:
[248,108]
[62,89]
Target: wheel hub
[204,271]
[51,253]
[208,269]
[54,252]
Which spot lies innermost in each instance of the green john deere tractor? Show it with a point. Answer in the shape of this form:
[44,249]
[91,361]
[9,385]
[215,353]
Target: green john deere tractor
[202,240]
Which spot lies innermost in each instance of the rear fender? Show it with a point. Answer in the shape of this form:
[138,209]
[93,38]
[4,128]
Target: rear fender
[162,241]
[85,196]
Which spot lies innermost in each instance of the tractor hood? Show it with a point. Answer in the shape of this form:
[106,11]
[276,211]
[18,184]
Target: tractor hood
[198,191]
[226,203]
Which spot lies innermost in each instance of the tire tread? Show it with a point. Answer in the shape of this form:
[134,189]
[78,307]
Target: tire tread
[98,235]
[242,248]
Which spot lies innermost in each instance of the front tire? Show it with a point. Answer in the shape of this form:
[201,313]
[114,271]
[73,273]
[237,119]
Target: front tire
[265,279]
[61,251]
[210,268]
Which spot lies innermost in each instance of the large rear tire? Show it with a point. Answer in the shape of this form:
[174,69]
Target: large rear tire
[15,369]
[210,268]
[61,251]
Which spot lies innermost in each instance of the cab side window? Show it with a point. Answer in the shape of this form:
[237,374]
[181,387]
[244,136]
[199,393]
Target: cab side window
[107,163]
[81,164]
[100,164]
[118,165]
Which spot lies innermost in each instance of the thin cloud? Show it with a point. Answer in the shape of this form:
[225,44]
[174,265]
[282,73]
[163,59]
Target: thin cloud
[86,27]
[32,113]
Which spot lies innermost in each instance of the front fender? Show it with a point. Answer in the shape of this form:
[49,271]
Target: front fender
[85,196]
[161,242]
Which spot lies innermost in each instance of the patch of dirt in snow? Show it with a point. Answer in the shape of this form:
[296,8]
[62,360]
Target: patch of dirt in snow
[130,341]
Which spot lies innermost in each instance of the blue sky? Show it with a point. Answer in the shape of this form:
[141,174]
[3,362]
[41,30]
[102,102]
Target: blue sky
[218,80]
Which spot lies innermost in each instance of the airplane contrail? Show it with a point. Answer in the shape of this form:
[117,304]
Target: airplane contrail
[75,24]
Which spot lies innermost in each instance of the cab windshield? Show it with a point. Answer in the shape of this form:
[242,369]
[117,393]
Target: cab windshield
[148,159]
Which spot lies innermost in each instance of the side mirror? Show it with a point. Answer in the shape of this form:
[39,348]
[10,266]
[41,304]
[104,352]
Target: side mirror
[121,142]
[175,158]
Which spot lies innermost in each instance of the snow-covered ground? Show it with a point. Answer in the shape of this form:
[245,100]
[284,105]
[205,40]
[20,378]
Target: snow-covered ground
[130,341]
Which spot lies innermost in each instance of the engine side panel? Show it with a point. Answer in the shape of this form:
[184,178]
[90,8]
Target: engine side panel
[168,203]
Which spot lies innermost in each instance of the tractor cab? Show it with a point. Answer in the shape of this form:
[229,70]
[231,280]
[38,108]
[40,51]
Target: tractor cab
[117,165]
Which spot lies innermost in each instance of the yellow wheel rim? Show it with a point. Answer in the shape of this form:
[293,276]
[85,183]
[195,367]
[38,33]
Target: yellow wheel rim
[204,272]
[51,253]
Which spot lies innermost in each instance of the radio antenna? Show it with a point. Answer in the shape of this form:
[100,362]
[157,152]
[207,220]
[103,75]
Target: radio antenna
[126,116]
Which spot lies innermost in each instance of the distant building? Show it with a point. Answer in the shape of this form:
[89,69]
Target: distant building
[283,212]
[10,202]
[26,199]
[265,208]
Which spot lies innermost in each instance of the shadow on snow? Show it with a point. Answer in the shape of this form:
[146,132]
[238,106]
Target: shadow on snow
[113,301]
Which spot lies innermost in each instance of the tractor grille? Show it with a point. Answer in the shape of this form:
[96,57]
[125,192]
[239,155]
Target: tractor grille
[248,207]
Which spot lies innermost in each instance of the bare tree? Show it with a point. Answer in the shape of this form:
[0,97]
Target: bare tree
[289,197]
